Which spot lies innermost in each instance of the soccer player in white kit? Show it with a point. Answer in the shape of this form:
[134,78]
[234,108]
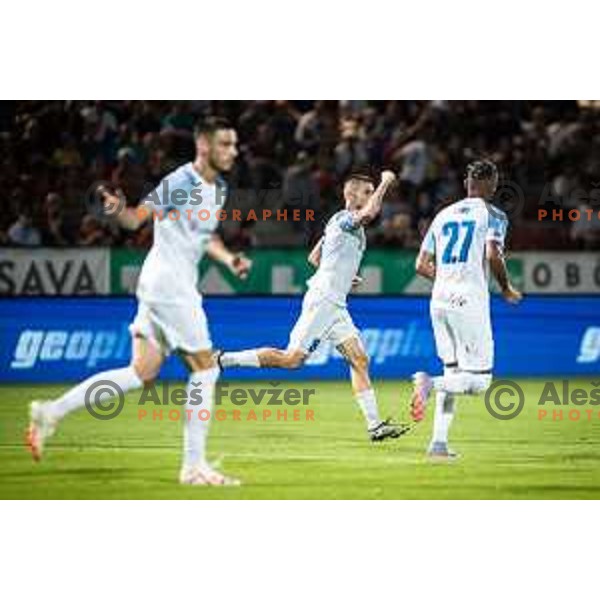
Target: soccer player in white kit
[170,316]
[461,241]
[337,257]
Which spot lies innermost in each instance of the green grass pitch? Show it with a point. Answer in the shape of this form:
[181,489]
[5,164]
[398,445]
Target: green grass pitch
[328,458]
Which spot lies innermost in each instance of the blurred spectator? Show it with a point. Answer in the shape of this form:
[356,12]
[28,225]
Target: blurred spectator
[300,189]
[414,163]
[67,155]
[586,232]
[396,230]
[22,232]
[351,152]
[318,127]
[54,231]
[178,118]
[564,187]
[56,150]
[91,233]
[101,120]
[128,175]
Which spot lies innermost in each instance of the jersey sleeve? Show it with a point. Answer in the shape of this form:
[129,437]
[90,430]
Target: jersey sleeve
[497,226]
[160,198]
[348,222]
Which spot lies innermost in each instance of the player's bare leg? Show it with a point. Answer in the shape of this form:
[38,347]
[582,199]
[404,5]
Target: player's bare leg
[422,384]
[263,357]
[204,373]
[45,416]
[445,404]
[452,382]
[354,353]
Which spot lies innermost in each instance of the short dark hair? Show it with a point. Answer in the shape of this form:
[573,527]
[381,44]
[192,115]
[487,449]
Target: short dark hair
[482,170]
[359,176]
[210,125]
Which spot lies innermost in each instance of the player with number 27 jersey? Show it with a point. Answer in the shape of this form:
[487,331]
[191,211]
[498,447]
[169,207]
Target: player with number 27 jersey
[464,242]
[457,238]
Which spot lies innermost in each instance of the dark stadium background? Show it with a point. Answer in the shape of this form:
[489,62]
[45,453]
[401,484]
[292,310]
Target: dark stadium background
[53,151]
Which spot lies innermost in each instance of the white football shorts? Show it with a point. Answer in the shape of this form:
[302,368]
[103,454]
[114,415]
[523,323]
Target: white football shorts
[173,326]
[464,337]
[321,320]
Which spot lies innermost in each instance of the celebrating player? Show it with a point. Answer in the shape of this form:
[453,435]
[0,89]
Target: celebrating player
[454,252]
[170,316]
[337,257]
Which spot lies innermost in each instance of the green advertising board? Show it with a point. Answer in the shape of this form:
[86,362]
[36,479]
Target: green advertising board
[284,271]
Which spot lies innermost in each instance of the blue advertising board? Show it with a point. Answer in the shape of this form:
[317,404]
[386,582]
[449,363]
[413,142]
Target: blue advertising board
[66,339]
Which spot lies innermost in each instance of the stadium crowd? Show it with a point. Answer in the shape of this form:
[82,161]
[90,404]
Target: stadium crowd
[296,153]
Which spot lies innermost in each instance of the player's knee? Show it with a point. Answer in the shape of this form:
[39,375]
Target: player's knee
[200,361]
[146,371]
[359,362]
[294,359]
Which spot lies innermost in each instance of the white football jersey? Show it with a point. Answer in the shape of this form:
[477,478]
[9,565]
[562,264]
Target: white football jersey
[344,243]
[457,237]
[187,206]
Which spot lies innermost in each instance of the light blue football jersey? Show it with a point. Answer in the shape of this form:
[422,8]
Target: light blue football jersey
[344,243]
[457,237]
[170,271]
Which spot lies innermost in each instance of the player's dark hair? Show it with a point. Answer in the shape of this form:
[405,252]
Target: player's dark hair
[210,125]
[358,176]
[482,170]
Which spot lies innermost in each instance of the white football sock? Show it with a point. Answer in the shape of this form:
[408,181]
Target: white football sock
[444,413]
[368,405]
[201,383]
[462,383]
[244,358]
[126,379]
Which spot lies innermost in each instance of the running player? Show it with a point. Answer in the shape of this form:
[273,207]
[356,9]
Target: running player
[170,316]
[462,239]
[337,257]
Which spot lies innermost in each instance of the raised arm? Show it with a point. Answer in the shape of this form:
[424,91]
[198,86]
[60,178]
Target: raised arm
[127,218]
[373,206]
